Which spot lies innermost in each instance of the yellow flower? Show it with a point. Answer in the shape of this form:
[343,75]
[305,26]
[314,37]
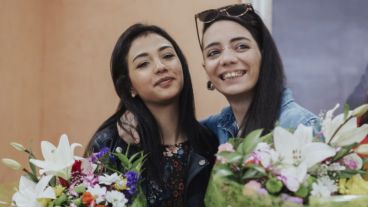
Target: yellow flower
[58,190]
[44,201]
[356,185]
[121,184]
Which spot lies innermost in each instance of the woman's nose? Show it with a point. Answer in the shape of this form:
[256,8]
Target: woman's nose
[160,67]
[228,57]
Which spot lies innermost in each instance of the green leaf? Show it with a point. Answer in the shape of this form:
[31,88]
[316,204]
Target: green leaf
[231,157]
[343,151]
[32,166]
[251,174]
[349,173]
[123,160]
[223,172]
[251,141]
[137,164]
[346,111]
[258,168]
[268,138]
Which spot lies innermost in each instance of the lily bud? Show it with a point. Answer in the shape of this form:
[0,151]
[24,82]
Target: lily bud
[18,146]
[12,164]
[362,149]
[360,111]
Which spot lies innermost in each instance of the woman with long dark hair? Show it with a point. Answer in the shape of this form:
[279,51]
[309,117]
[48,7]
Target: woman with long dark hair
[242,63]
[151,78]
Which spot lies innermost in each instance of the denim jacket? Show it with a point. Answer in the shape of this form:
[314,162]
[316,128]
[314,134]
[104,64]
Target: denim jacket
[224,126]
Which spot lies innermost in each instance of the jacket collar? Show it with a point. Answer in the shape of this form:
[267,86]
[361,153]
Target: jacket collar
[228,122]
[287,97]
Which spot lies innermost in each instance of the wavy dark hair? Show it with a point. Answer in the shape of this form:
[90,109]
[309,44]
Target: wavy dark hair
[265,107]
[148,129]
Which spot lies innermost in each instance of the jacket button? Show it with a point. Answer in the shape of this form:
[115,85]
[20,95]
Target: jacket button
[202,162]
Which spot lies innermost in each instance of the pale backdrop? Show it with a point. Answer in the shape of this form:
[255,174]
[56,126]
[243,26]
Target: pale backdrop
[54,65]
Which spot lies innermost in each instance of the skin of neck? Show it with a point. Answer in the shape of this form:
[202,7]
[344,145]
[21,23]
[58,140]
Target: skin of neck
[167,117]
[240,104]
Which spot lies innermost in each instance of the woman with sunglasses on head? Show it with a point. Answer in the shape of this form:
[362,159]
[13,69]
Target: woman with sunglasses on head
[242,62]
[151,78]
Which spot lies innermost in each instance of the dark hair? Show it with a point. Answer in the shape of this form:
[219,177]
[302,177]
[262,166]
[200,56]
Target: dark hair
[148,128]
[265,107]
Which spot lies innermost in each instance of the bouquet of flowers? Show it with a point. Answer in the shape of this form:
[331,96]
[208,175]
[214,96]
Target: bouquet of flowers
[104,179]
[286,168]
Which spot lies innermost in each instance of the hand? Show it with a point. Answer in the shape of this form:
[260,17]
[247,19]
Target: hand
[128,128]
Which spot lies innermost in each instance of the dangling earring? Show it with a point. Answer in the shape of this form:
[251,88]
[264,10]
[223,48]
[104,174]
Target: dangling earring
[210,86]
[133,94]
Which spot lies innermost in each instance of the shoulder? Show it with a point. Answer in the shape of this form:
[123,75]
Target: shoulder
[292,114]
[106,137]
[213,120]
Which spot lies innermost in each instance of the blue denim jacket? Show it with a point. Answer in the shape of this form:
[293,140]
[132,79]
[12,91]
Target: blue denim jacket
[291,115]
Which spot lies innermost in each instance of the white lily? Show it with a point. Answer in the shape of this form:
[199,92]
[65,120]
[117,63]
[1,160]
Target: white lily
[58,161]
[348,134]
[298,153]
[29,192]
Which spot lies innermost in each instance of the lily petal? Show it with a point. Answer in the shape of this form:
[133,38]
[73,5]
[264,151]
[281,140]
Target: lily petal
[316,152]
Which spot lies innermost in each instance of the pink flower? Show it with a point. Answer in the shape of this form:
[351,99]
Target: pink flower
[227,147]
[251,188]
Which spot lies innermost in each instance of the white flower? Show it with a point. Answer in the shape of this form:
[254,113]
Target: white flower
[324,187]
[360,111]
[293,176]
[264,154]
[336,167]
[29,192]
[298,147]
[117,199]
[298,153]
[108,179]
[348,134]
[98,193]
[58,161]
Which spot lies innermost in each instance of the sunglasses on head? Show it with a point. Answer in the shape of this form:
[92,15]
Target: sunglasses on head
[210,15]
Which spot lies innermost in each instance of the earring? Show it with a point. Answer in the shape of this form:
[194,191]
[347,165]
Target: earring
[133,94]
[210,86]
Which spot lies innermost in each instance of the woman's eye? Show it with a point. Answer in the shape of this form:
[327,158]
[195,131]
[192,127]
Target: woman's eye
[168,56]
[213,53]
[142,65]
[241,47]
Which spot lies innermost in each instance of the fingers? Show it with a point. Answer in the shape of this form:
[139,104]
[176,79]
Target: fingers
[128,128]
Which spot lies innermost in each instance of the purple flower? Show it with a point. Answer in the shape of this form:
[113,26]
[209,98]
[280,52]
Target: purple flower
[132,189]
[132,179]
[102,152]
[293,199]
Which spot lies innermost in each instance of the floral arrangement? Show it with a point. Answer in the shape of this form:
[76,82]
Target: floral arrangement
[285,168]
[63,179]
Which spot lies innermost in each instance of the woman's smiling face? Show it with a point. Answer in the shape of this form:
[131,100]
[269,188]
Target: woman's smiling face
[155,70]
[232,58]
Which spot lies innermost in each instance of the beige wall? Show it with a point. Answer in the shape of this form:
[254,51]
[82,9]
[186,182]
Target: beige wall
[21,64]
[54,64]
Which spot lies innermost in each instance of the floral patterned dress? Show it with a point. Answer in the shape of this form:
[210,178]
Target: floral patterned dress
[171,193]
